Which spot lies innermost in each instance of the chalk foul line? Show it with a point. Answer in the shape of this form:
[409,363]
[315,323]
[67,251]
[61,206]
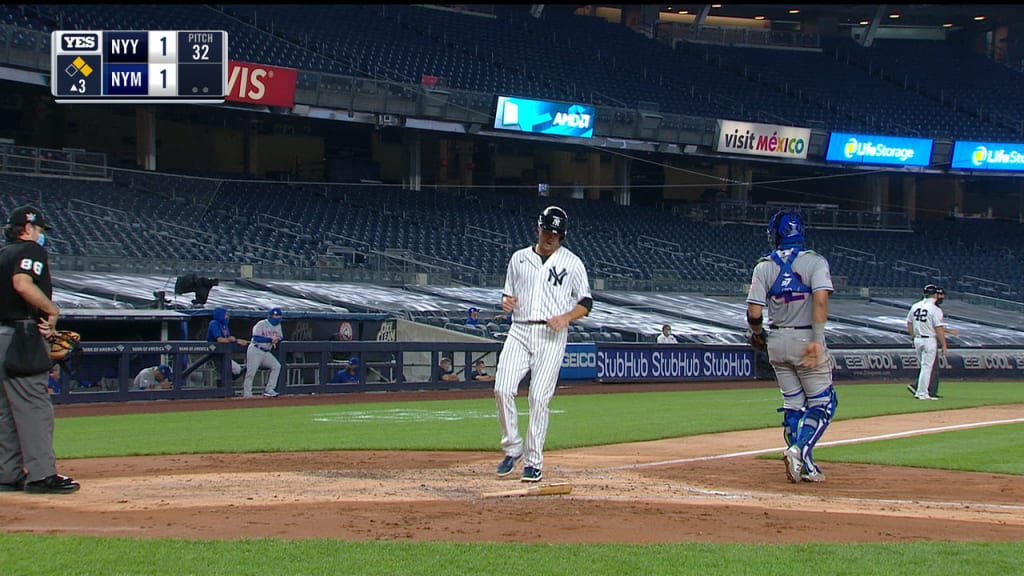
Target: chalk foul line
[890,436]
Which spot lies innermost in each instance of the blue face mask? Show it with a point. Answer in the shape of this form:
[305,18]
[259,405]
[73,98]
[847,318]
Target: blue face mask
[274,321]
[41,240]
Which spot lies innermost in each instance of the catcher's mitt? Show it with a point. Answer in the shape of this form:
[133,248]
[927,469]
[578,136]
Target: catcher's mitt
[62,344]
[758,341]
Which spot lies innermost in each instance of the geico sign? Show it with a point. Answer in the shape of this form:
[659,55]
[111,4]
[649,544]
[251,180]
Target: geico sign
[261,84]
[579,360]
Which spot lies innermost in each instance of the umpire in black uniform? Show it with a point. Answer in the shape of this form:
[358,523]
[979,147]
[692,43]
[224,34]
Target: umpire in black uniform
[27,458]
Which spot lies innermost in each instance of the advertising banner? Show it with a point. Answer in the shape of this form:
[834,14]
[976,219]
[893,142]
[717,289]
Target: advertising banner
[870,149]
[579,362]
[261,84]
[542,117]
[988,156]
[902,364]
[623,364]
[762,139]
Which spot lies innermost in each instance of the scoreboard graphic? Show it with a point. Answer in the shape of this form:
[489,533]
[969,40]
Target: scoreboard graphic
[139,67]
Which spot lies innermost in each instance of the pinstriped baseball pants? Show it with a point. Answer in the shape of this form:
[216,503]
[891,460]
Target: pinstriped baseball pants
[538,350]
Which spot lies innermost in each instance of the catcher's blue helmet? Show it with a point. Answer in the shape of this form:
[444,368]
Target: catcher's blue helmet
[786,228]
[554,219]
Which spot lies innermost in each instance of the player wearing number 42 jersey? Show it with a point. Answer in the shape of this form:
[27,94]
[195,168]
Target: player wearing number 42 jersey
[925,324]
[546,288]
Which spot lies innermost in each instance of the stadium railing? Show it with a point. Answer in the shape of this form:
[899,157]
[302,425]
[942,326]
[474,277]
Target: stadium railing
[65,162]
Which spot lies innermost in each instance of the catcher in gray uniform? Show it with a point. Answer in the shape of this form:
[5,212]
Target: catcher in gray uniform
[795,283]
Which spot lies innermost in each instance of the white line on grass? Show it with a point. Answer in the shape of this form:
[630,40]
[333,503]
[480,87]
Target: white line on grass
[747,495]
[832,443]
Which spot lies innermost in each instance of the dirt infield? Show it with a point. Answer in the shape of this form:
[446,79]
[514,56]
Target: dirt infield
[711,488]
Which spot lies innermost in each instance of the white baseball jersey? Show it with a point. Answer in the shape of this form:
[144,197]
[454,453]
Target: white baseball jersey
[545,288]
[924,317]
[667,339]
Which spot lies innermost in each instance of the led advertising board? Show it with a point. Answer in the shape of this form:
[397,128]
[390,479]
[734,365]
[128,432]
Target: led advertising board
[542,117]
[871,149]
[988,156]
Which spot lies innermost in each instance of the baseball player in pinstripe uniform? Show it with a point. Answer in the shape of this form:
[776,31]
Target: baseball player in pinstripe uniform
[546,288]
[794,284]
[925,324]
[266,334]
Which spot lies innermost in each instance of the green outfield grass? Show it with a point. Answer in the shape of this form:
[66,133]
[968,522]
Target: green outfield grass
[577,420]
[25,554]
[990,449]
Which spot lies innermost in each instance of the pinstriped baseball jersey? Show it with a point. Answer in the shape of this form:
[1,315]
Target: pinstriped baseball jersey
[924,316]
[796,309]
[545,288]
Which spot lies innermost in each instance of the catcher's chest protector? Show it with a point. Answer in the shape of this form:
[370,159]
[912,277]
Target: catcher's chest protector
[788,284]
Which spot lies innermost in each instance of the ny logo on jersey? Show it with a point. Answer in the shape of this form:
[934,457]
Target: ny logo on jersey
[556,278]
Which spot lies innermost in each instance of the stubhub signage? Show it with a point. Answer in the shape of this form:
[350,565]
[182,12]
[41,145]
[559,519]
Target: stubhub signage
[542,117]
[867,149]
[625,363]
[988,156]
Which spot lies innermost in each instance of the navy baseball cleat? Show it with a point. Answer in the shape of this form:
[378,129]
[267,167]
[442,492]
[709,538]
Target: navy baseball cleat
[16,486]
[531,474]
[55,484]
[508,464]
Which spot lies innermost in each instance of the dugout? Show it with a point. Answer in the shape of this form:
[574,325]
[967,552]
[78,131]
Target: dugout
[394,354]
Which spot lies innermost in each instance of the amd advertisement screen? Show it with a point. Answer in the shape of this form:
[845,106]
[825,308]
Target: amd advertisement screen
[542,117]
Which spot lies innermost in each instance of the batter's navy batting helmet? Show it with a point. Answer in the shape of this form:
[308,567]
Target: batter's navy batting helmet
[786,228]
[554,219]
[931,290]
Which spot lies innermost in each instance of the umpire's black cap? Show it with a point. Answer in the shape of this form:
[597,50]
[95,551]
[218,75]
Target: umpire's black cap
[27,215]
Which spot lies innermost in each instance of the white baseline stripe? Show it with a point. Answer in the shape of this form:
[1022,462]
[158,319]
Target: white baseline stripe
[750,495]
[832,443]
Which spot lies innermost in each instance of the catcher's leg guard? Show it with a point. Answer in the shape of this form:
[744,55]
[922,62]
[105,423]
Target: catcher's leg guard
[790,424]
[814,422]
